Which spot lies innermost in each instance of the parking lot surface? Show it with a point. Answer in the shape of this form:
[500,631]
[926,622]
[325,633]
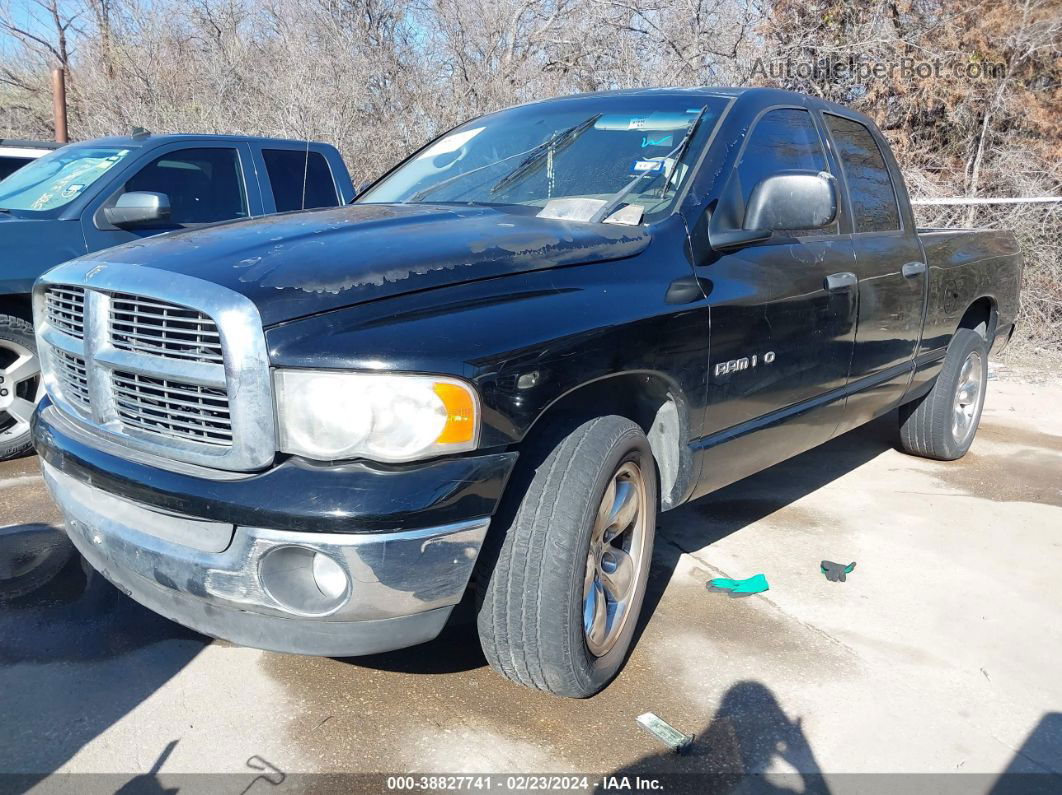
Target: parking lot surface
[940,653]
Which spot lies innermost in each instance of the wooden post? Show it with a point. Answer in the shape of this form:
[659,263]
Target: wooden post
[59,105]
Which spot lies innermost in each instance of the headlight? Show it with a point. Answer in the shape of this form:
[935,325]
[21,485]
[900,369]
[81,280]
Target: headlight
[329,416]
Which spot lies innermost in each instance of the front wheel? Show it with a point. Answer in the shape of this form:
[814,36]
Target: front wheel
[567,571]
[943,423]
[20,385]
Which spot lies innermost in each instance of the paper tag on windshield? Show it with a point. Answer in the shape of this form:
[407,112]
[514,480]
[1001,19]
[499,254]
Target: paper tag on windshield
[639,167]
[451,143]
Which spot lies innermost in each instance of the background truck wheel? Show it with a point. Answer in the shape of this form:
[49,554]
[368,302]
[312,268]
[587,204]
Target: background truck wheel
[942,424]
[567,567]
[20,384]
[30,558]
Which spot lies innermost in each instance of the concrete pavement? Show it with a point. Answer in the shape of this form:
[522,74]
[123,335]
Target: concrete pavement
[939,654]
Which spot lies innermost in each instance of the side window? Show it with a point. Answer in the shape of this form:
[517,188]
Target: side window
[869,183]
[9,165]
[203,185]
[782,140]
[300,181]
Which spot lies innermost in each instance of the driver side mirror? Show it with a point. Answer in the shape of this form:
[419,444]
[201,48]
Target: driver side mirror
[783,201]
[136,208]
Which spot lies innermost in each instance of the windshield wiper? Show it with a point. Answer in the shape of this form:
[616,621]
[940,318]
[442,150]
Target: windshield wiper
[559,141]
[416,197]
[675,155]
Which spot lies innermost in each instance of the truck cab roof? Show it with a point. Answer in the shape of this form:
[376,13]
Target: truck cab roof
[752,94]
[152,139]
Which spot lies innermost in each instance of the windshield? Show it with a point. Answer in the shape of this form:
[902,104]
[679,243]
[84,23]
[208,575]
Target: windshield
[580,159]
[57,178]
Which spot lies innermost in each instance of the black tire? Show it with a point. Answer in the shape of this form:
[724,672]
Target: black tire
[30,560]
[927,428]
[537,562]
[16,335]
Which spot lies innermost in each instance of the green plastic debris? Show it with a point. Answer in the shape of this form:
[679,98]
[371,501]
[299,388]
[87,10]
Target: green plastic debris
[750,585]
[836,572]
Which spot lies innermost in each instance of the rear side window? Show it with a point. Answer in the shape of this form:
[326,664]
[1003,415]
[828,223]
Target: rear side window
[203,185]
[869,183]
[782,140]
[301,180]
[9,165]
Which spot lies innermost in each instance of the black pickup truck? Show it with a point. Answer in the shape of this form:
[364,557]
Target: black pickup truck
[316,432]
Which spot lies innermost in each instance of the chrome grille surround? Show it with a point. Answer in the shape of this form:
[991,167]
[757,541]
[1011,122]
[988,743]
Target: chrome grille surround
[175,366]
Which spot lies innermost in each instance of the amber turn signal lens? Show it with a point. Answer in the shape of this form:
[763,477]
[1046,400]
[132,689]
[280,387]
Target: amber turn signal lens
[460,414]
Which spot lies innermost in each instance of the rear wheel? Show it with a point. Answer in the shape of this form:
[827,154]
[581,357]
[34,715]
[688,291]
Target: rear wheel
[20,385]
[943,423]
[566,574]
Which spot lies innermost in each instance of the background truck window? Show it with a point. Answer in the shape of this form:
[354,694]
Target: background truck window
[203,185]
[9,165]
[782,140]
[289,168]
[869,183]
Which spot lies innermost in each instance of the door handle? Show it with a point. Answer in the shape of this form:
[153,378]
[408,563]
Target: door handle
[912,269]
[840,281]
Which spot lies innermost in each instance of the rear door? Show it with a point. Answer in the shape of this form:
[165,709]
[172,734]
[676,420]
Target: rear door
[297,178]
[781,339]
[890,266]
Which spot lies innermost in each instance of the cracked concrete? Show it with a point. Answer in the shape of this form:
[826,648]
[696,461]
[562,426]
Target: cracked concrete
[939,654]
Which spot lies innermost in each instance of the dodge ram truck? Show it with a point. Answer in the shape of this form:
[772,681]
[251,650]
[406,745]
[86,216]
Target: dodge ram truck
[319,432]
[92,195]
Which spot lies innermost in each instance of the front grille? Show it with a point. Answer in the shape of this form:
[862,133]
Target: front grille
[159,328]
[73,377]
[160,362]
[65,308]
[173,409]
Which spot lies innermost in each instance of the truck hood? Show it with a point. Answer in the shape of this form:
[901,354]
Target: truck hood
[30,247]
[304,263]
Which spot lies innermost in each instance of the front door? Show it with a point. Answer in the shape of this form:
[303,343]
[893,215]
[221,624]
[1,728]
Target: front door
[782,322]
[203,185]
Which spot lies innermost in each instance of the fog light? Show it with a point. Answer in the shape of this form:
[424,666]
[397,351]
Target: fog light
[329,576]
[303,580]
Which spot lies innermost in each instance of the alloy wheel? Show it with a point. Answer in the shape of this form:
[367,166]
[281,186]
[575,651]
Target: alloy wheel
[21,387]
[615,559]
[967,397]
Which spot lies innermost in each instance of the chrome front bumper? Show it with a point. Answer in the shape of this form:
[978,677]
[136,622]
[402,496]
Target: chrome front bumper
[256,586]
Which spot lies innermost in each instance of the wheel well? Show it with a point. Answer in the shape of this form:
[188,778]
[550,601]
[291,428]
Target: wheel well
[981,317]
[648,400]
[17,305]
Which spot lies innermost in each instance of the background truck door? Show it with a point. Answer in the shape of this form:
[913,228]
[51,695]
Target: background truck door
[891,269]
[781,339]
[297,177]
[204,184]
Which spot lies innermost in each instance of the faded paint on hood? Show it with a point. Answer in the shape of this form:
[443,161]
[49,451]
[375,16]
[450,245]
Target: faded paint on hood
[299,264]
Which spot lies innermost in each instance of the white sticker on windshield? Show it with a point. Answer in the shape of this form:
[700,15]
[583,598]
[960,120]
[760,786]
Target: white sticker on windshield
[451,143]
